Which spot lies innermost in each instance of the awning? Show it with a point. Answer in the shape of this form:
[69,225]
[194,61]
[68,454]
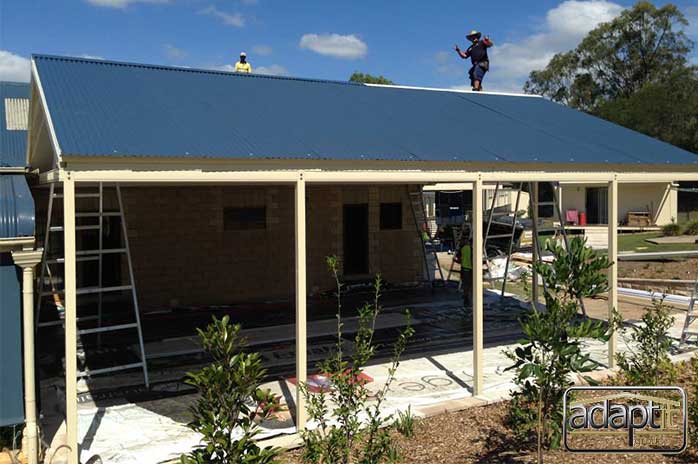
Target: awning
[16,207]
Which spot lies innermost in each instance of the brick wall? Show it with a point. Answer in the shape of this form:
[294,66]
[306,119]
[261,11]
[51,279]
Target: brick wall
[182,254]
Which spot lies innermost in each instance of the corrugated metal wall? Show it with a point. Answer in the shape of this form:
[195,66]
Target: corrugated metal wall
[11,397]
[16,207]
[13,139]
[16,220]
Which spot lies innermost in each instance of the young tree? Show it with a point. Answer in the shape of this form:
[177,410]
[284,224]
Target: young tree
[231,401]
[647,361]
[551,349]
[348,428]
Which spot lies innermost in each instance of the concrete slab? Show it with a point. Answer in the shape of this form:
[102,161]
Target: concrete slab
[429,384]
[677,239]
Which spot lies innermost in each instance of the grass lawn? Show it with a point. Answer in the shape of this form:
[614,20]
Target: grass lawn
[638,243]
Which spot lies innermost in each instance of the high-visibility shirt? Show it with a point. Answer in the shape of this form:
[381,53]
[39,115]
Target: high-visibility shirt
[243,67]
[466,257]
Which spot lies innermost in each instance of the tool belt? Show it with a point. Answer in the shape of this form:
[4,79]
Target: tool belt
[484,65]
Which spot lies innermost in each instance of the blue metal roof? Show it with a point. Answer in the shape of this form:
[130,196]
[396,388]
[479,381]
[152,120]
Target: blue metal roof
[13,143]
[124,109]
[16,207]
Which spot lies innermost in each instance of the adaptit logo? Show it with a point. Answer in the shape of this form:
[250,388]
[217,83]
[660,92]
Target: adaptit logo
[625,420]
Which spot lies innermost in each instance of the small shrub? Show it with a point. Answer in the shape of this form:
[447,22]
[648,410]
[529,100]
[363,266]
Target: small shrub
[552,346]
[231,401]
[404,422]
[352,429]
[647,361]
[671,230]
[691,228]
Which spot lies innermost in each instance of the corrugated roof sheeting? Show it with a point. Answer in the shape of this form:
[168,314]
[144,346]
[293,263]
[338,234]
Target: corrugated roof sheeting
[11,394]
[13,143]
[16,207]
[107,108]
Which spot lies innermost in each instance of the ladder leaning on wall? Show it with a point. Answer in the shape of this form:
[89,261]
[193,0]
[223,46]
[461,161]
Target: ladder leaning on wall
[92,328]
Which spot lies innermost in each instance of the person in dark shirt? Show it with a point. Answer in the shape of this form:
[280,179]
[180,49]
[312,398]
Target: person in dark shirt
[477,52]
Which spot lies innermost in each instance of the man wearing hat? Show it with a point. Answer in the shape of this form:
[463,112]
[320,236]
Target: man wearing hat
[477,52]
[243,66]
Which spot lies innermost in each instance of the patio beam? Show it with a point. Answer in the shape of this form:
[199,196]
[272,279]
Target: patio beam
[233,174]
[613,270]
[301,301]
[71,340]
[477,299]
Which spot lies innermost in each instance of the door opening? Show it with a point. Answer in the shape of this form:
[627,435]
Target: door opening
[355,239]
[597,205]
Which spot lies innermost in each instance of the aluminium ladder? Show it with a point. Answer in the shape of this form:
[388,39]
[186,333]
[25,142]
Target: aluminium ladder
[691,315]
[420,219]
[47,291]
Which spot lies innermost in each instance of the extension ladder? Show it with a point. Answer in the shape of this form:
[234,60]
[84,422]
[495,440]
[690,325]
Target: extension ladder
[691,315]
[49,304]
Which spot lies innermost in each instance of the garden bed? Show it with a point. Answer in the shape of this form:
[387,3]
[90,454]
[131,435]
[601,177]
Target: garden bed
[479,435]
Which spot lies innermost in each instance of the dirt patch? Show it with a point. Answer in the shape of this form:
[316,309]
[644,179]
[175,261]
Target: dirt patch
[681,270]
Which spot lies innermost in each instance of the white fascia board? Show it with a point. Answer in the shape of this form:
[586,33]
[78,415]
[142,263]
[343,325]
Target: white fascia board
[361,177]
[52,131]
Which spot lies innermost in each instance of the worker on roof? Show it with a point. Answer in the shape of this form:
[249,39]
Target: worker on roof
[243,66]
[477,52]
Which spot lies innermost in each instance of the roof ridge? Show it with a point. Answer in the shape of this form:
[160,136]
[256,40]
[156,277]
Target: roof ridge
[162,67]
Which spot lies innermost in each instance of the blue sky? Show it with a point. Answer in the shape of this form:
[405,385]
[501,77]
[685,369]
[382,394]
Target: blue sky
[410,42]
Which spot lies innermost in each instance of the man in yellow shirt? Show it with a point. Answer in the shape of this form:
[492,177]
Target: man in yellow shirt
[464,256]
[243,66]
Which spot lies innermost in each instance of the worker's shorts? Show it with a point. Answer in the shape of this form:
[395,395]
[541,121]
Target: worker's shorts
[477,73]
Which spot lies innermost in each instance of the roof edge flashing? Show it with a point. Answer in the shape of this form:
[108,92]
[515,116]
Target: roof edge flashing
[439,89]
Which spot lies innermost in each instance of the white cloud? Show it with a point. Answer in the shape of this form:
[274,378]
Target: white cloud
[576,18]
[229,19]
[272,70]
[565,26]
[14,67]
[92,57]
[262,50]
[121,3]
[347,47]
[174,52]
